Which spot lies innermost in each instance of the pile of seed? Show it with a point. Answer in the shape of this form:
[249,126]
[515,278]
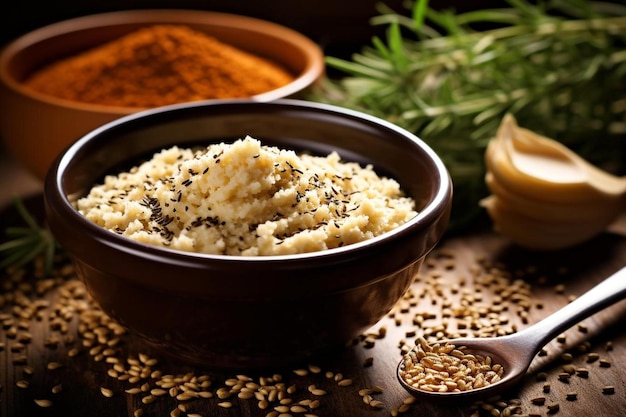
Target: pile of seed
[487,300]
[63,305]
[448,368]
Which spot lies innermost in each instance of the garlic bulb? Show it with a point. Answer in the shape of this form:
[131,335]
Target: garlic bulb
[543,195]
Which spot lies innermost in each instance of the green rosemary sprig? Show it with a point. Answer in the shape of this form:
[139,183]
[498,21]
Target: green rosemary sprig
[558,66]
[25,243]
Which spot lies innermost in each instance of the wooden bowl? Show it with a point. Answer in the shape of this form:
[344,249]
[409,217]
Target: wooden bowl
[36,127]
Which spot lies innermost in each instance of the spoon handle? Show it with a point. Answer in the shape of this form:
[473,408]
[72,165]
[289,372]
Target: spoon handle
[609,291]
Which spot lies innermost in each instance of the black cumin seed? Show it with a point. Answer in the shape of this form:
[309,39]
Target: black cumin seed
[164,221]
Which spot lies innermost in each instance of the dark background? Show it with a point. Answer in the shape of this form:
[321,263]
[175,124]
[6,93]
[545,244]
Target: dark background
[338,26]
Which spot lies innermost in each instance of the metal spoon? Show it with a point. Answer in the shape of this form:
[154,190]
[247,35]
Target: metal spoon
[515,352]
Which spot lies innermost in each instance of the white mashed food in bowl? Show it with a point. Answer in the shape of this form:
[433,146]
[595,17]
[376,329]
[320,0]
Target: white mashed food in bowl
[245,198]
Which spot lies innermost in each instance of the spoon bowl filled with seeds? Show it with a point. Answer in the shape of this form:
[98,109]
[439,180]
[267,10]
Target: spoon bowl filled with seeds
[471,369]
[241,234]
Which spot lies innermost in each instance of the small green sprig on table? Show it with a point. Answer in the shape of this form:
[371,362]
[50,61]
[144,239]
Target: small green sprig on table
[558,66]
[24,244]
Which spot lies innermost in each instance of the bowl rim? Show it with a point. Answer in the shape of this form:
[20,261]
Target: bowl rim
[313,70]
[435,209]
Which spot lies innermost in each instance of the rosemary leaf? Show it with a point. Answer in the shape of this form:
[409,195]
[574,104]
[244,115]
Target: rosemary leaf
[419,14]
[20,255]
[26,243]
[25,214]
[16,243]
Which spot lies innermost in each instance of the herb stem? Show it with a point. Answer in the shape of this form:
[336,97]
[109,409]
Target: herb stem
[25,243]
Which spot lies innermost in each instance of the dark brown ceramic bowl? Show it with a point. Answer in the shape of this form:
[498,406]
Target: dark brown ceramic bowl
[31,121]
[249,312]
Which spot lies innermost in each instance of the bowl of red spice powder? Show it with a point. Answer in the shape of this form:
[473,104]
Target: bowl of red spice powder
[61,81]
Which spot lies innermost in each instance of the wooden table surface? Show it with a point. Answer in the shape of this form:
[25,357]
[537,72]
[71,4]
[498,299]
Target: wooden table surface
[49,353]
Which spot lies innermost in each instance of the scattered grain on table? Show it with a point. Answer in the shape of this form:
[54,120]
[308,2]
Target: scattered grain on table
[444,303]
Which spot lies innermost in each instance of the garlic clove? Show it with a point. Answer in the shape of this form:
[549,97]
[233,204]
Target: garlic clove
[538,175]
[556,211]
[536,233]
[543,195]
